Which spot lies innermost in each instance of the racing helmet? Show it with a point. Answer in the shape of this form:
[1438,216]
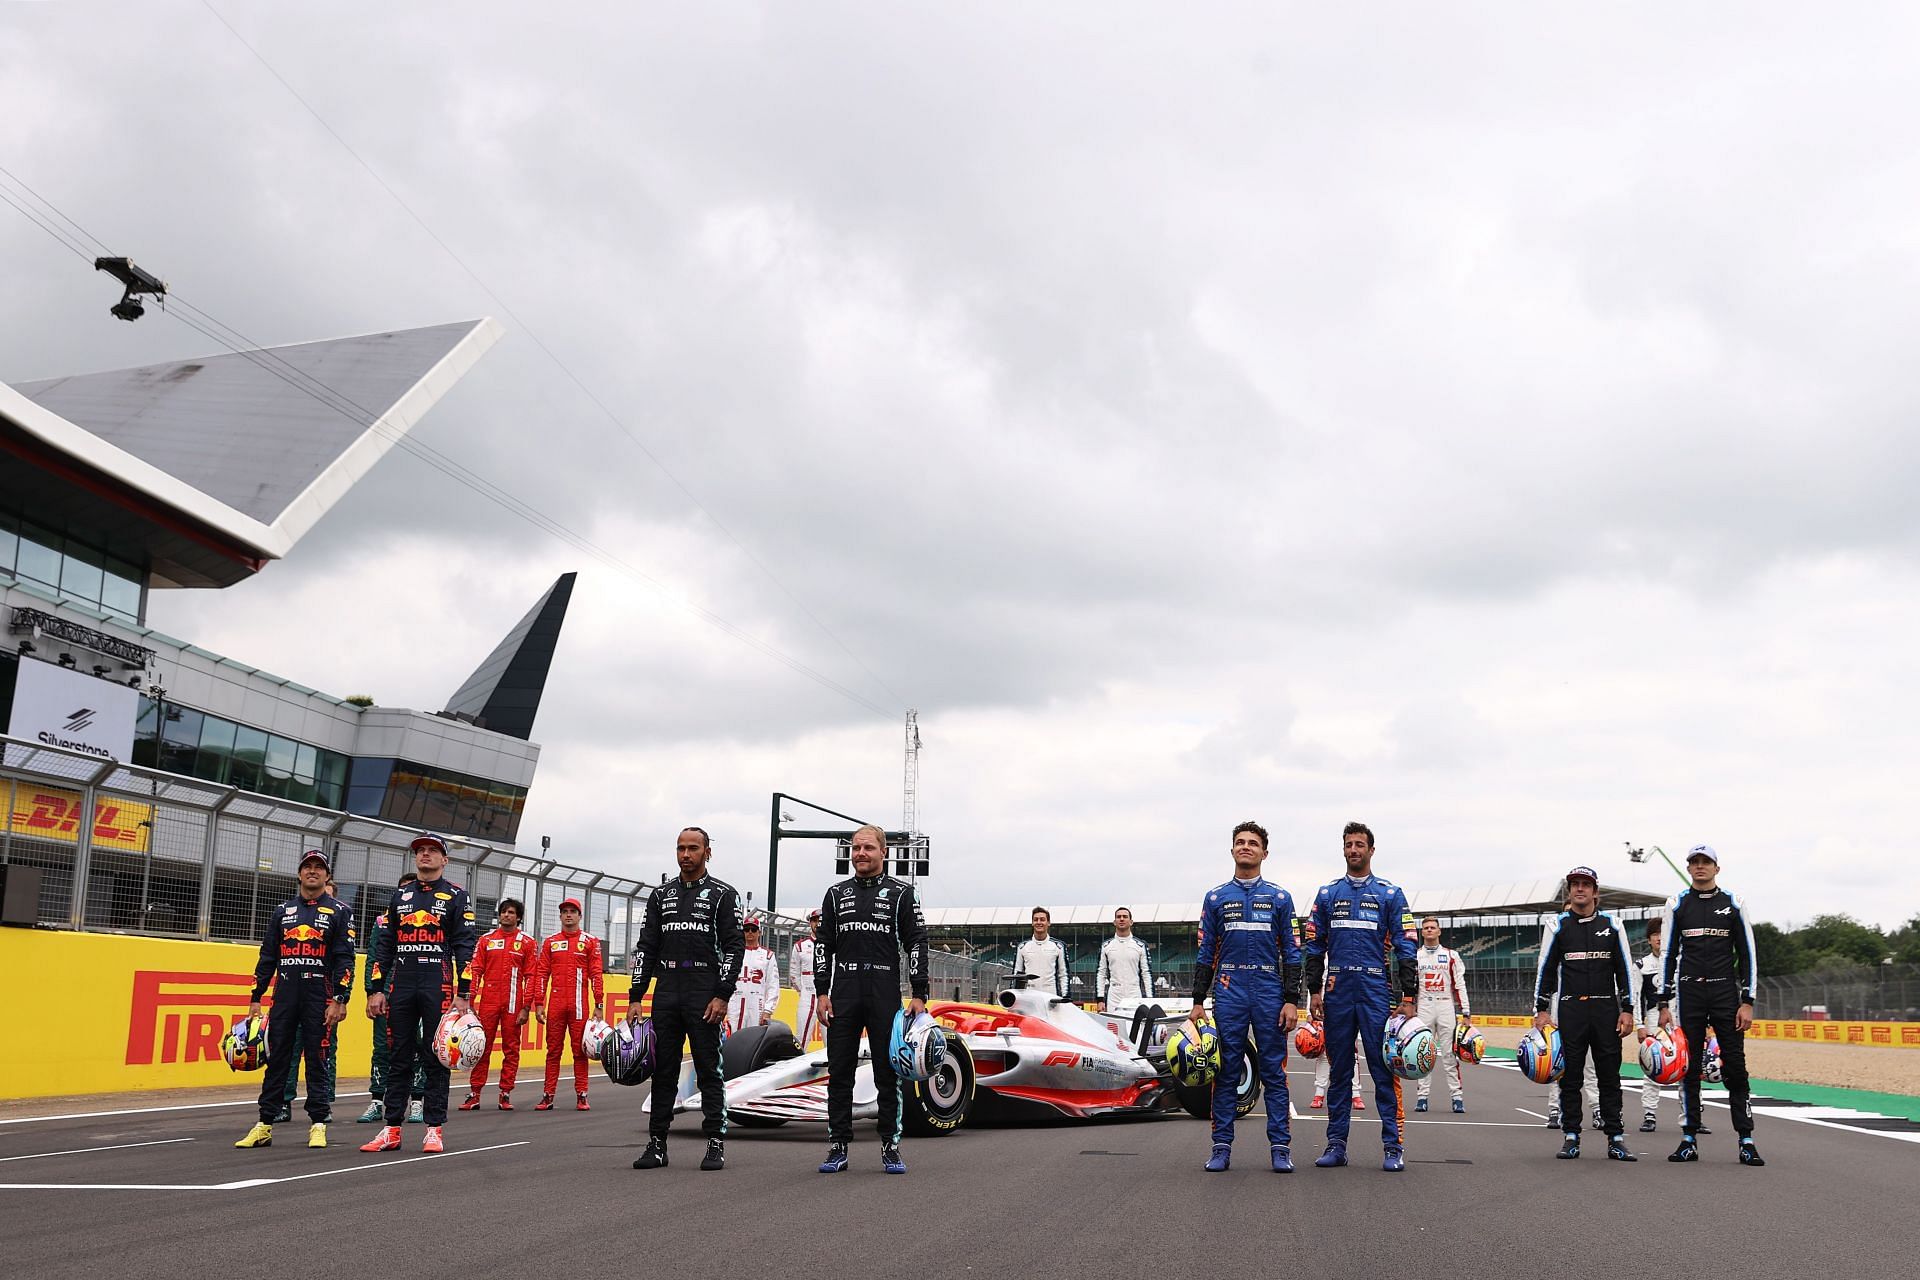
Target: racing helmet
[1310,1039]
[245,1044]
[1710,1064]
[1408,1048]
[459,1041]
[593,1036]
[1193,1053]
[627,1052]
[918,1048]
[1468,1044]
[1540,1056]
[1663,1056]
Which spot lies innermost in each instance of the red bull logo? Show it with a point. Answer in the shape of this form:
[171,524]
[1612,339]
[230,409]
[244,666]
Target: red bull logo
[419,919]
[303,933]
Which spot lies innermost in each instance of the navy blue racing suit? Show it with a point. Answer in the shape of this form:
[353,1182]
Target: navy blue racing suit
[1357,926]
[424,958]
[307,954]
[1250,962]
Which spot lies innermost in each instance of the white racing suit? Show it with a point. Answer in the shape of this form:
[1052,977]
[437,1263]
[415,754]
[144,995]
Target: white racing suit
[1650,1019]
[807,1011]
[1443,989]
[1123,976]
[1046,961]
[757,992]
[1323,1071]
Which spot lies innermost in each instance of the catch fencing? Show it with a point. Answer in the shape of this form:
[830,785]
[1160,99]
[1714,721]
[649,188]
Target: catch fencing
[1869,993]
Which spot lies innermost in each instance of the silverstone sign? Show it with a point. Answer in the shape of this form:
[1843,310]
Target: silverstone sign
[62,708]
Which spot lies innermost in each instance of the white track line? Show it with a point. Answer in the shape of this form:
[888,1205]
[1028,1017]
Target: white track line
[81,1151]
[148,1111]
[248,1183]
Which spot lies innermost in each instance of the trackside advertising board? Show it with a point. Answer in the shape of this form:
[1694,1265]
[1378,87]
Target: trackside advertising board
[104,1013]
[67,708]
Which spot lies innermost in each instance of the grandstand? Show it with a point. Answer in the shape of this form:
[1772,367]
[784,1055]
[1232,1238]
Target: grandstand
[1495,927]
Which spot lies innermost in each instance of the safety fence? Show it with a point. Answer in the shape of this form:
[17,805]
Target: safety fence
[1869,993]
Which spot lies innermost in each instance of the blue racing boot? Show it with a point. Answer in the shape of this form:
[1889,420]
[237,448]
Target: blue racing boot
[1393,1161]
[1420,1104]
[836,1161]
[1459,1106]
[1222,1156]
[1333,1157]
[1282,1160]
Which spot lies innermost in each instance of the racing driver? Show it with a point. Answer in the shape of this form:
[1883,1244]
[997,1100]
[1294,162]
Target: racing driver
[1359,922]
[865,922]
[502,980]
[691,938]
[1249,961]
[567,968]
[424,963]
[307,953]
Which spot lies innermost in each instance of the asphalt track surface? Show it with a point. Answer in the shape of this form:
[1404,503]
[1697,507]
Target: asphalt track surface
[165,1193]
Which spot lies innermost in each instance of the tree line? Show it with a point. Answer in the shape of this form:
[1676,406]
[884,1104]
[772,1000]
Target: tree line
[1833,942]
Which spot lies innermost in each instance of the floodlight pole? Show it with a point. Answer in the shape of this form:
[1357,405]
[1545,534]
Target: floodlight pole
[774,836]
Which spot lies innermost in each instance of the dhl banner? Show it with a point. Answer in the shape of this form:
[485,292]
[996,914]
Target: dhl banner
[50,813]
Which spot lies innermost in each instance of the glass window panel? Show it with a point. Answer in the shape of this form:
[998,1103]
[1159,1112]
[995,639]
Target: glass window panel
[179,739]
[306,762]
[39,555]
[216,748]
[371,771]
[277,771]
[9,543]
[249,755]
[120,592]
[80,574]
[299,790]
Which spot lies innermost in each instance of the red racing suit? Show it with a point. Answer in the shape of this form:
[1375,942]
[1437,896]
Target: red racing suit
[503,987]
[568,967]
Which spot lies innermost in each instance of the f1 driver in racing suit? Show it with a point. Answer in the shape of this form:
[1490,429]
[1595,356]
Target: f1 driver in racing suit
[566,970]
[1249,961]
[1710,968]
[424,964]
[307,954]
[865,923]
[691,938]
[801,969]
[503,975]
[1359,922]
[1123,976]
[1443,993]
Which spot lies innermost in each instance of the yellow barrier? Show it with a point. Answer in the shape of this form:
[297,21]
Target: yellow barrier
[104,1013]
[1897,1035]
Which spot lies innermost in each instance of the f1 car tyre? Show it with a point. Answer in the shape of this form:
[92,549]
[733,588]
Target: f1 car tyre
[750,1049]
[938,1105]
[1198,1102]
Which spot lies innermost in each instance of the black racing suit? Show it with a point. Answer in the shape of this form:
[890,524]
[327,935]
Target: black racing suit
[1583,961]
[306,952]
[377,1082]
[1710,973]
[424,959]
[865,923]
[691,939]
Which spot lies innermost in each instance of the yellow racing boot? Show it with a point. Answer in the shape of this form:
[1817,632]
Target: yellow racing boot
[317,1135]
[261,1135]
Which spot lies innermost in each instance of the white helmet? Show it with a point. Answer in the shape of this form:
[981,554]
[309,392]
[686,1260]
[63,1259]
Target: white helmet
[459,1041]
[593,1037]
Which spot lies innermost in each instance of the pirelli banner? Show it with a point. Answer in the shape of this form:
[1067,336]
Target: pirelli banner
[103,1013]
[1893,1035]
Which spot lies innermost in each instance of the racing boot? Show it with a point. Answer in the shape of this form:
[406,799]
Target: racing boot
[374,1114]
[1459,1106]
[1219,1158]
[1650,1122]
[317,1135]
[1553,1117]
[890,1158]
[836,1161]
[1359,1104]
[286,1113]
[1686,1153]
[545,1103]
[1617,1149]
[1282,1159]
[388,1139]
[655,1156]
[417,1112]
[432,1144]
[1750,1154]
[1701,1131]
[1393,1160]
[506,1102]
[1419,1104]
[1319,1101]
[1599,1125]
[1333,1157]
[1569,1147]
[580,1102]
[470,1103]
[716,1158]
[261,1135]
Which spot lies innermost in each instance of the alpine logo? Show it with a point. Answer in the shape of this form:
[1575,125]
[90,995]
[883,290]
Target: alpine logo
[1724,911]
[78,720]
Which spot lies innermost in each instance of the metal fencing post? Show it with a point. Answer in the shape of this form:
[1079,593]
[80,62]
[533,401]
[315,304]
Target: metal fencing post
[83,845]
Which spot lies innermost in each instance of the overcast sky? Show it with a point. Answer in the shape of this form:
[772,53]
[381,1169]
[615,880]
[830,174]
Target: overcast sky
[1482,423]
